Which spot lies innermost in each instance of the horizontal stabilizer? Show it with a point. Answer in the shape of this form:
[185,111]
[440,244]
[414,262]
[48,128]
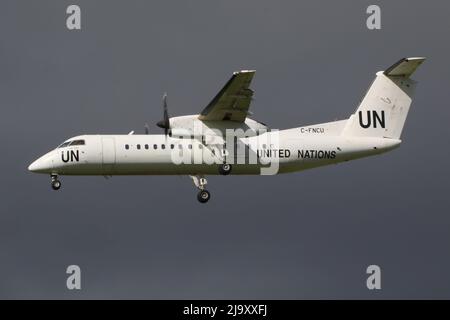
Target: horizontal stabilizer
[404,68]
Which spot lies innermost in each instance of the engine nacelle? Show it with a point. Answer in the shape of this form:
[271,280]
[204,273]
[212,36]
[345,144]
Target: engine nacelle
[190,127]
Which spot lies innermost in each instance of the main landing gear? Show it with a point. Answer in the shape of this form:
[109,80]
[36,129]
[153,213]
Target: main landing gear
[56,184]
[225,169]
[203,195]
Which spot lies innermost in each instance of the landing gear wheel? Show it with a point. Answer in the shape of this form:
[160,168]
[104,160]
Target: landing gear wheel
[56,184]
[225,169]
[203,196]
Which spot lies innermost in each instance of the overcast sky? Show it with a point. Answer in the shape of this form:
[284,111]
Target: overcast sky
[304,235]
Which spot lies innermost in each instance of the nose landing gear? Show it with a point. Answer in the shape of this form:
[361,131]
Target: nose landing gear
[203,195]
[56,184]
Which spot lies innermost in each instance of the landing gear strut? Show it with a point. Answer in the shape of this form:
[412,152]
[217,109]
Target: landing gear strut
[56,184]
[203,195]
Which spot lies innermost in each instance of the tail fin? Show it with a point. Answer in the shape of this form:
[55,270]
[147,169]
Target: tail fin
[383,110]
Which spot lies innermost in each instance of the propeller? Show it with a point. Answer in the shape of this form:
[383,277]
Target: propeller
[165,123]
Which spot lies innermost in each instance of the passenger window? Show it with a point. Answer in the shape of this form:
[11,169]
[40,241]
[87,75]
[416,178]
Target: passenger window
[190,146]
[127,146]
[200,146]
[155,146]
[146,146]
[138,147]
[172,146]
[163,146]
[180,146]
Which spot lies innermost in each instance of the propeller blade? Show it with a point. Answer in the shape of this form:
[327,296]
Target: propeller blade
[165,123]
[161,124]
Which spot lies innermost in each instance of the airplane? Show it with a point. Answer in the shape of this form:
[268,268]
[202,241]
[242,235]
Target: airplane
[224,140]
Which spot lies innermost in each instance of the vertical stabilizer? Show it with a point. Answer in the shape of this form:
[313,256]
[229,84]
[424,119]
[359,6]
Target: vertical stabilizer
[382,112]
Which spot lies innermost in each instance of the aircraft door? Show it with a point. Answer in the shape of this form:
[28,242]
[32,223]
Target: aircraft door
[241,152]
[108,154]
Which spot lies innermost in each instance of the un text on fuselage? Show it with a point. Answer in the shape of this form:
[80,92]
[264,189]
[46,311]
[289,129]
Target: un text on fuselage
[371,118]
[70,156]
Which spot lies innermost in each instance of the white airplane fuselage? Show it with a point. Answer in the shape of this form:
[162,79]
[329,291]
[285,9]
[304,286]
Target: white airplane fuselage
[109,155]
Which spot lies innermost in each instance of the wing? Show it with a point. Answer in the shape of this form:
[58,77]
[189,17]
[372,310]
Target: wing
[233,101]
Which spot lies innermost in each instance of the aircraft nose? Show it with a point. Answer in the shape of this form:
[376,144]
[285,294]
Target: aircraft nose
[34,166]
[41,165]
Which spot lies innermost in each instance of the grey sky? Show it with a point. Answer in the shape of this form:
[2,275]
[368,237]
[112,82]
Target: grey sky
[304,235]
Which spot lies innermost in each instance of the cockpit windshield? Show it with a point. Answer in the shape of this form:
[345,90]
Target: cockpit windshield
[64,144]
[72,143]
[77,143]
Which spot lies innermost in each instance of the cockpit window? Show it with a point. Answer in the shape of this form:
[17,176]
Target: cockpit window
[72,143]
[64,144]
[77,143]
